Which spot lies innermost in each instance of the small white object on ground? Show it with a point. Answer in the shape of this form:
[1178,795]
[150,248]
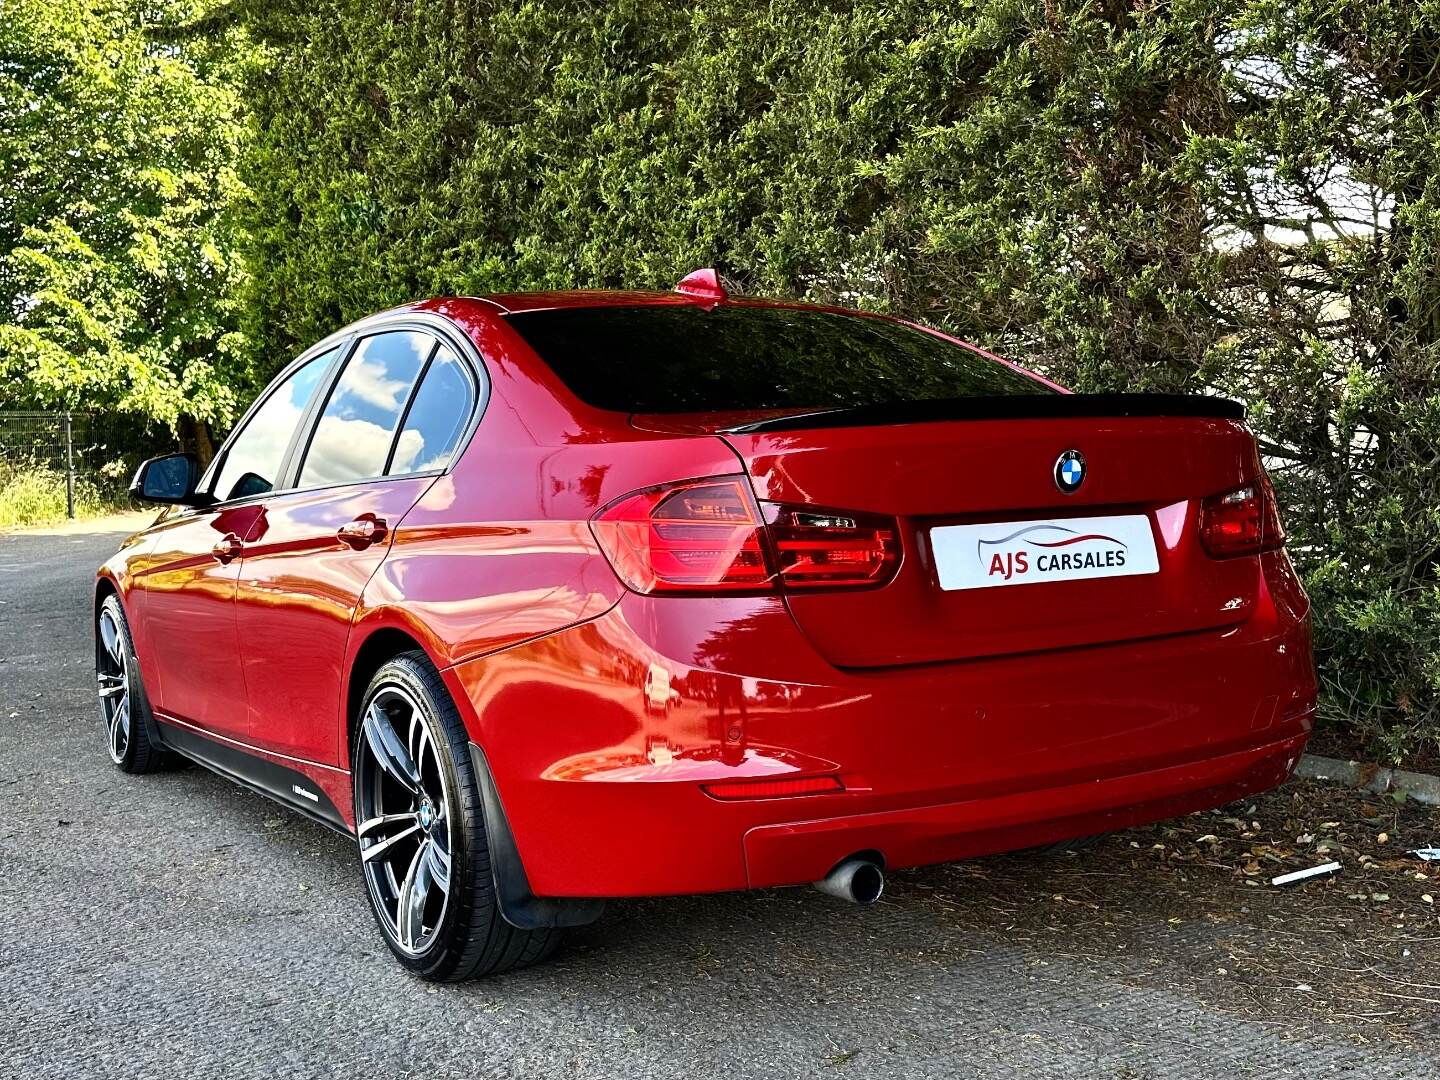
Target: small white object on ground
[1302,875]
[1429,854]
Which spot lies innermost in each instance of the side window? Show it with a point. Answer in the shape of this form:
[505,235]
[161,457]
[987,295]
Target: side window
[252,461]
[352,439]
[436,418]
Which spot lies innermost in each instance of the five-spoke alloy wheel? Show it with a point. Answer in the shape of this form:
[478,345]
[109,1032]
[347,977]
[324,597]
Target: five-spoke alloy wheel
[403,819]
[112,673]
[124,708]
[421,832]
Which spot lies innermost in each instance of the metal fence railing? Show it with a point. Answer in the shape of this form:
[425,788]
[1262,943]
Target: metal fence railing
[69,463]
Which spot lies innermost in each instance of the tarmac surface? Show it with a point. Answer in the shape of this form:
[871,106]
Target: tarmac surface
[175,925]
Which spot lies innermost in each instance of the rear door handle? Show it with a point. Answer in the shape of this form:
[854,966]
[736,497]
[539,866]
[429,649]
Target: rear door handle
[365,530]
[227,548]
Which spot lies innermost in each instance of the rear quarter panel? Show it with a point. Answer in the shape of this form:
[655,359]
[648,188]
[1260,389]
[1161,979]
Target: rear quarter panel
[499,550]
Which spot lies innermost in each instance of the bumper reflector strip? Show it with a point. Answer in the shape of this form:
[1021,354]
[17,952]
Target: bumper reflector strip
[779,788]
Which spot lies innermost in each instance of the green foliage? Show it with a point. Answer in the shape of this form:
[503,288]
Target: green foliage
[34,494]
[1235,196]
[118,278]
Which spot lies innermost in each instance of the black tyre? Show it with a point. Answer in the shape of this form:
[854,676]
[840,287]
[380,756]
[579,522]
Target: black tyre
[421,830]
[124,708]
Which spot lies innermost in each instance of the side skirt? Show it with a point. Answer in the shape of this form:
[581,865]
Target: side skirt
[260,775]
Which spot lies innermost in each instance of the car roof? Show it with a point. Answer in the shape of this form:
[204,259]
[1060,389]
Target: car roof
[512,303]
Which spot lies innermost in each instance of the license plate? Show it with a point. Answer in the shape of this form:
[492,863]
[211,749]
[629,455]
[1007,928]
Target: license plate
[1032,552]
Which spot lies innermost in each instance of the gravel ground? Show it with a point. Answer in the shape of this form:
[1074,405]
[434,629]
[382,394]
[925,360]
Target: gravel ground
[176,925]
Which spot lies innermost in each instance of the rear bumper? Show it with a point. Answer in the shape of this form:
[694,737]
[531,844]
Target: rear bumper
[807,850]
[601,737]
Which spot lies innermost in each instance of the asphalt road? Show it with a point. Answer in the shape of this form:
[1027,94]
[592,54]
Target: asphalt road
[175,925]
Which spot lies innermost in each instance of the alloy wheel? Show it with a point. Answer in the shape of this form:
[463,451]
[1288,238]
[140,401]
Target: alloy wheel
[112,672]
[403,819]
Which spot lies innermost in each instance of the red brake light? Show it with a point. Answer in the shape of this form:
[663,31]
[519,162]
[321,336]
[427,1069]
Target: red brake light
[707,536]
[701,536]
[818,548]
[1244,521]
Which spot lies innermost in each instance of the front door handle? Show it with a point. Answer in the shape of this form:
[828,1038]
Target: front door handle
[365,530]
[227,548]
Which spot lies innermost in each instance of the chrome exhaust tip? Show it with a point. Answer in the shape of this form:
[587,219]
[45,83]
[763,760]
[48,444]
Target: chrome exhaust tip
[859,881]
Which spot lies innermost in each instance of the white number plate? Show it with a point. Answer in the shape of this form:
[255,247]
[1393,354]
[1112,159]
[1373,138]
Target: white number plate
[1056,549]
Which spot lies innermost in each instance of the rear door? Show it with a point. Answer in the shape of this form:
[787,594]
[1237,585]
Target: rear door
[388,426]
[188,578]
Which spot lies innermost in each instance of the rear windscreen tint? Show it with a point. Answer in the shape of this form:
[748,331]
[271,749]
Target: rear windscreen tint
[663,359]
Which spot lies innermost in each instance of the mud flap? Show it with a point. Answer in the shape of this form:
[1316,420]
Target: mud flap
[519,906]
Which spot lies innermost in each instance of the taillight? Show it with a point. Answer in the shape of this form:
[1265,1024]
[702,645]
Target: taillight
[1244,521]
[709,536]
[701,536]
[819,548]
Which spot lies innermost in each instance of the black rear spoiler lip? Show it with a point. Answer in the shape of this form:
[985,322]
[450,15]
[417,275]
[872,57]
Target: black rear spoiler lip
[1008,407]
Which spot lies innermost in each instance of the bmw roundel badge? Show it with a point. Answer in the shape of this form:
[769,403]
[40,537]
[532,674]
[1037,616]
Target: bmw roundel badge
[1070,471]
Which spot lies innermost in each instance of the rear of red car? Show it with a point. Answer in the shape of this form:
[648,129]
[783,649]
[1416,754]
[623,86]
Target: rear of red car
[936,608]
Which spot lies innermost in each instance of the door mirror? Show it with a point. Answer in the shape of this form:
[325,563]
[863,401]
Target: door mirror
[170,478]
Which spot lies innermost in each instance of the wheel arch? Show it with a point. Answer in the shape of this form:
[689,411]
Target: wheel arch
[518,904]
[105,586]
[382,643]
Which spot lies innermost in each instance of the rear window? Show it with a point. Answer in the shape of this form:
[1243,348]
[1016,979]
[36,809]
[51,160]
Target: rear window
[664,359]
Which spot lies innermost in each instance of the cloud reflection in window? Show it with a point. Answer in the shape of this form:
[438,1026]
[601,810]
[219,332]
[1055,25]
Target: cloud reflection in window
[352,440]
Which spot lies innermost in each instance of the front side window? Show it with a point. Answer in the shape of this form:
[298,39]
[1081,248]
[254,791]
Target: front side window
[252,461]
[352,440]
[436,418]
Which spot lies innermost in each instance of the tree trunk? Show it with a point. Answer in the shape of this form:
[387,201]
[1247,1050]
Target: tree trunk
[199,432]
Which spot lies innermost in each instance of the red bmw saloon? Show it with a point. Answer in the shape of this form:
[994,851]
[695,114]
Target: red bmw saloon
[554,597]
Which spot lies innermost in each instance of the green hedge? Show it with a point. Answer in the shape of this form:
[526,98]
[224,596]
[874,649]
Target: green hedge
[1234,196]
